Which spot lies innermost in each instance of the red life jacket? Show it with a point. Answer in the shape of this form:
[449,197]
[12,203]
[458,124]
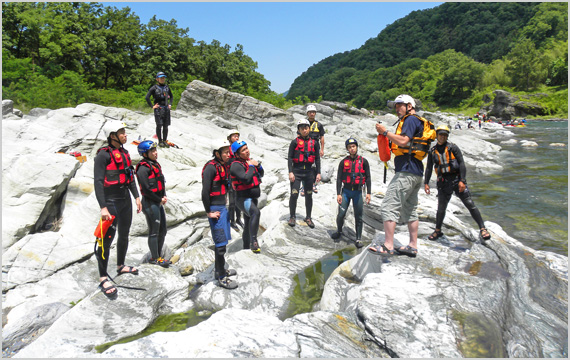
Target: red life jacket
[220,181]
[304,151]
[119,171]
[240,186]
[156,178]
[353,171]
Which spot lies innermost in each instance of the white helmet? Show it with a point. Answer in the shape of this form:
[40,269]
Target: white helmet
[311,108]
[219,144]
[402,99]
[303,122]
[112,126]
[233,131]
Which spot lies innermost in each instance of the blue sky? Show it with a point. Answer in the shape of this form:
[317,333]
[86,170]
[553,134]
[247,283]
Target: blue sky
[284,38]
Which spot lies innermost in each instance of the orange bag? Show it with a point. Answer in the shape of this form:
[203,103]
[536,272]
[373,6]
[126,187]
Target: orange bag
[384,148]
[102,227]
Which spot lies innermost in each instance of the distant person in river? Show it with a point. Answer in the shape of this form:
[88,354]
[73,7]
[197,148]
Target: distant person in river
[152,185]
[353,174]
[114,184]
[450,168]
[215,175]
[316,132]
[304,152]
[235,214]
[162,96]
[246,174]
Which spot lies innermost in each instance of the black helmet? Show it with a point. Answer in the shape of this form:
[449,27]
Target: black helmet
[160,74]
[350,141]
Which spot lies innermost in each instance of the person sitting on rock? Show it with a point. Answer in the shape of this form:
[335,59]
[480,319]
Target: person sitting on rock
[113,180]
[235,214]
[303,153]
[214,191]
[246,176]
[162,96]
[152,185]
[317,132]
[353,173]
[451,171]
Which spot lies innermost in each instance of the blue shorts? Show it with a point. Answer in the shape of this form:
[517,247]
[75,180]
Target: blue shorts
[220,227]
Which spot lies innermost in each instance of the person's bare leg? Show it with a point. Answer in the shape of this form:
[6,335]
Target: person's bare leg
[413,229]
[389,230]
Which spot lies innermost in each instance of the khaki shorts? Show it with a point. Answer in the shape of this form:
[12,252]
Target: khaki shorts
[401,200]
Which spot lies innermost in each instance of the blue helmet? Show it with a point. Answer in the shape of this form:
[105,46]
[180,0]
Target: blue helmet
[145,146]
[350,141]
[160,74]
[237,145]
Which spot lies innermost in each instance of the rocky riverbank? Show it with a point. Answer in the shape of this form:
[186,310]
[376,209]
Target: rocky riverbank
[458,298]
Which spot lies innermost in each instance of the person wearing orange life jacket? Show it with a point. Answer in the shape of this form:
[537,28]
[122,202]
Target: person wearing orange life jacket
[235,214]
[353,174]
[401,199]
[303,153]
[450,168]
[215,175]
[152,185]
[114,183]
[246,177]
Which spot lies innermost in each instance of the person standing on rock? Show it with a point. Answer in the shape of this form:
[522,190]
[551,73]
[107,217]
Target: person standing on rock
[235,214]
[113,180]
[317,132]
[303,154]
[450,168]
[353,173]
[246,176]
[410,144]
[152,185]
[162,96]
[215,177]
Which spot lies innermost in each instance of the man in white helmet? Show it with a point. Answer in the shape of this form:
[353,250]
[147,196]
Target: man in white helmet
[401,199]
[316,132]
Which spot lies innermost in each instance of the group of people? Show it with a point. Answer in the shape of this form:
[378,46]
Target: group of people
[233,177]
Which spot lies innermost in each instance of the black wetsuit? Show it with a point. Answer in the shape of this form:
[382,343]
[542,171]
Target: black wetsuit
[235,213]
[160,94]
[304,174]
[448,183]
[118,201]
[316,132]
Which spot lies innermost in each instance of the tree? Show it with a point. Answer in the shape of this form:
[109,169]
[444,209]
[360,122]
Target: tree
[523,64]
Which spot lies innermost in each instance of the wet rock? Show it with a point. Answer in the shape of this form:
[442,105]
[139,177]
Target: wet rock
[528,143]
[7,107]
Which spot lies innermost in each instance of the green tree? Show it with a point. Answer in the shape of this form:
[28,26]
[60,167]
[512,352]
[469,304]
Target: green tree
[523,65]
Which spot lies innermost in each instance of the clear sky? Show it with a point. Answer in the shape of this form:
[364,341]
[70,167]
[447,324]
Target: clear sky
[284,38]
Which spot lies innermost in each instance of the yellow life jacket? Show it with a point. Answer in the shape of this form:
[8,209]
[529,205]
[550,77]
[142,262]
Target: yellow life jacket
[419,144]
[446,162]
[314,130]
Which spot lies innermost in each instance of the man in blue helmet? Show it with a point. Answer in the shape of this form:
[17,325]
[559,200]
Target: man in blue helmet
[353,174]
[162,104]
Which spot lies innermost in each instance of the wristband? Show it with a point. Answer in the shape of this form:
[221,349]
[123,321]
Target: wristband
[385,133]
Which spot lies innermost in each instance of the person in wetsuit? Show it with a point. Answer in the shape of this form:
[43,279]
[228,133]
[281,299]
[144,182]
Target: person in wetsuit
[235,213]
[162,96]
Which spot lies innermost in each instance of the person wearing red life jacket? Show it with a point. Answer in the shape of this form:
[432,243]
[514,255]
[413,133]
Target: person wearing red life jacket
[246,177]
[215,177]
[235,213]
[353,174]
[152,185]
[304,151]
[114,184]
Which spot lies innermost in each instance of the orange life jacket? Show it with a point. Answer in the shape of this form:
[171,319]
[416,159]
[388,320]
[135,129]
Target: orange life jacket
[444,163]
[119,171]
[419,144]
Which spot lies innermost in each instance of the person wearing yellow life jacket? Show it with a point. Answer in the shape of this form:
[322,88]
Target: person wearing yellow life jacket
[410,144]
[152,185]
[316,132]
[114,184]
[450,168]
[303,154]
[215,175]
[353,174]
[235,213]
[246,174]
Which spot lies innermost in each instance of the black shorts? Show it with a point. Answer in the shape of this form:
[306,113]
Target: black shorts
[162,116]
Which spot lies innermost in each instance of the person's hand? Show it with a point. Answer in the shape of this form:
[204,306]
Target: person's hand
[291,177]
[169,107]
[156,106]
[105,214]
[461,186]
[380,128]
[321,153]
[339,199]
[426,189]
[318,178]
[139,205]
[214,215]
[164,200]
[367,199]
[252,162]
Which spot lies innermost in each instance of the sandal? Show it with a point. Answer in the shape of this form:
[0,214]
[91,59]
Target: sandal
[435,235]
[226,283]
[485,234]
[291,221]
[302,192]
[408,250]
[310,223]
[376,249]
[255,247]
[112,295]
[130,270]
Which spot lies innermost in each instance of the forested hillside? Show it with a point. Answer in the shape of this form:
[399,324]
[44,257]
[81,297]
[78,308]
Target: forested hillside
[445,55]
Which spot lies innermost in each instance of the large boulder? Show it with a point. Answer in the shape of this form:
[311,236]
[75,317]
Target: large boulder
[507,106]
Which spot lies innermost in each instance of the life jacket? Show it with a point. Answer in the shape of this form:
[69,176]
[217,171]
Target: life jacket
[304,151]
[445,163]
[314,130]
[220,181]
[161,94]
[353,171]
[155,179]
[119,171]
[420,143]
[240,186]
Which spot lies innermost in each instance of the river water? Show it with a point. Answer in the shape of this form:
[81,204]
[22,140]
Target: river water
[529,198]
